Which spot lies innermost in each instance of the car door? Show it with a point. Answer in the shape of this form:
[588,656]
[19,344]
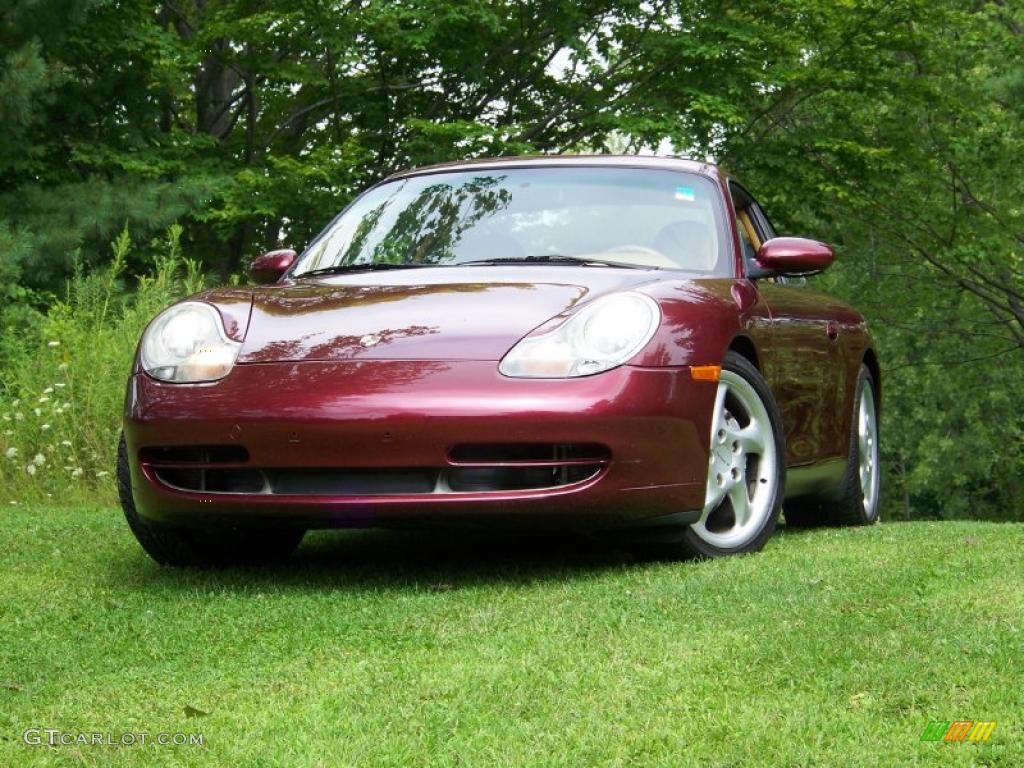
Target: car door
[804,352]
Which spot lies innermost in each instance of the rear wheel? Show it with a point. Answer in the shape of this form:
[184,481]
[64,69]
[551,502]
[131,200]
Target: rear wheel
[202,548]
[857,500]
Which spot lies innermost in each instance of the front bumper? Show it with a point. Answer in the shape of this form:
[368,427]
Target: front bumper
[379,415]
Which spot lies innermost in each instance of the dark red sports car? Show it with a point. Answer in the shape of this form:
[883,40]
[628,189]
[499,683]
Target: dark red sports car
[614,344]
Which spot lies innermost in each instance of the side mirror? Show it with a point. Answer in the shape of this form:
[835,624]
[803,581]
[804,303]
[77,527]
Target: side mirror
[794,255]
[269,267]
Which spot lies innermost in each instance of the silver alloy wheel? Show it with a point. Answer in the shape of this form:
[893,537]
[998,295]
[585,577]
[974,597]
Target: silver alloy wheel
[867,449]
[742,471]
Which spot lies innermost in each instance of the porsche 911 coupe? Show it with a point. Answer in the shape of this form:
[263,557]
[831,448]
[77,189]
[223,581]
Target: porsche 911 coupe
[618,345]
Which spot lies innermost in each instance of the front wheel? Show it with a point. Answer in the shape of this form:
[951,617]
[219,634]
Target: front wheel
[202,548]
[746,469]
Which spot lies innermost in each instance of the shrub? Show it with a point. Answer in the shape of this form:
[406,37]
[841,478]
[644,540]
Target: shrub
[64,372]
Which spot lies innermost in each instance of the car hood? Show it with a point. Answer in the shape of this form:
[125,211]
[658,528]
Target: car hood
[443,313]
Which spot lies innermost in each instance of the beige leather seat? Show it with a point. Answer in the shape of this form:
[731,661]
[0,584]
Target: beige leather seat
[688,245]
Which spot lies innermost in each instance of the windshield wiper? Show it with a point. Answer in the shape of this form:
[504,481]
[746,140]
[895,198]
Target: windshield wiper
[550,258]
[545,258]
[342,268]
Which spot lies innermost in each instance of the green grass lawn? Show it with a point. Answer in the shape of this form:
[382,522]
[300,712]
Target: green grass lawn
[832,647]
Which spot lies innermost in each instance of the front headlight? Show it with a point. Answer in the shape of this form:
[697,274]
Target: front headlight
[187,343]
[602,335]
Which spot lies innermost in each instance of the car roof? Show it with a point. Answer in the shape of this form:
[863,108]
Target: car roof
[686,164]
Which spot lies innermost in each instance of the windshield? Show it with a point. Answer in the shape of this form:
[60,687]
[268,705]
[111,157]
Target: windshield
[628,216]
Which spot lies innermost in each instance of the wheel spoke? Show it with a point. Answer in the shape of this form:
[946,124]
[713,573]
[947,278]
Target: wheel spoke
[864,439]
[750,437]
[712,498]
[718,414]
[740,503]
[715,489]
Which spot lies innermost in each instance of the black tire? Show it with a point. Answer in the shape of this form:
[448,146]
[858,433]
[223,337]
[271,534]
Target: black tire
[202,548]
[804,512]
[690,544]
[845,506]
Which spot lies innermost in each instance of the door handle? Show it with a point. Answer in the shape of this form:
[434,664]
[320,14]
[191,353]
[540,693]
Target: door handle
[832,330]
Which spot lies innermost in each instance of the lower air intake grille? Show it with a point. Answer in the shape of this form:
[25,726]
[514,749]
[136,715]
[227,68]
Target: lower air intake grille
[474,468]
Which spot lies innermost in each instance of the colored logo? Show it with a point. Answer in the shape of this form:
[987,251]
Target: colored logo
[958,730]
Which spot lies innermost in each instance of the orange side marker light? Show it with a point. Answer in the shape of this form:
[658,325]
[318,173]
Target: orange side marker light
[705,372]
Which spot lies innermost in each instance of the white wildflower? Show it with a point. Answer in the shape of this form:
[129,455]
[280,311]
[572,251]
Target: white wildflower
[37,411]
[19,416]
[16,403]
[44,399]
[45,427]
[102,473]
[7,417]
[8,432]
[62,367]
[39,459]
[77,472]
[53,344]
[30,468]
[11,452]
[66,443]
[60,385]
[48,391]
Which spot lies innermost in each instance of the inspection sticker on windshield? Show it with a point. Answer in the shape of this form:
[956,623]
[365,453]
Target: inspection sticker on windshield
[685,194]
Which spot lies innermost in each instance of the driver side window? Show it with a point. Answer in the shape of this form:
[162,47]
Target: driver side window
[749,252]
[754,228]
[746,229]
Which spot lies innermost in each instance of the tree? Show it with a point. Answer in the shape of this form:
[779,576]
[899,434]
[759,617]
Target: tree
[259,120]
[903,148]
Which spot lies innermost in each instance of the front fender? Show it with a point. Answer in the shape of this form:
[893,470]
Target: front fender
[700,319]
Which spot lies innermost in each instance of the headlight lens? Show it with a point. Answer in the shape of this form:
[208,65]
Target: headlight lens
[604,334]
[187,343]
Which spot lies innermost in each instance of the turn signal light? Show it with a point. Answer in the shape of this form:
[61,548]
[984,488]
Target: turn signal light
[705,372]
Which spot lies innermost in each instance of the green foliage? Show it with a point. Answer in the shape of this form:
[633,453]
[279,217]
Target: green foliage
[15,246]
[23,82]
[257,122]
[64,372]
[899,140]
[952,428]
